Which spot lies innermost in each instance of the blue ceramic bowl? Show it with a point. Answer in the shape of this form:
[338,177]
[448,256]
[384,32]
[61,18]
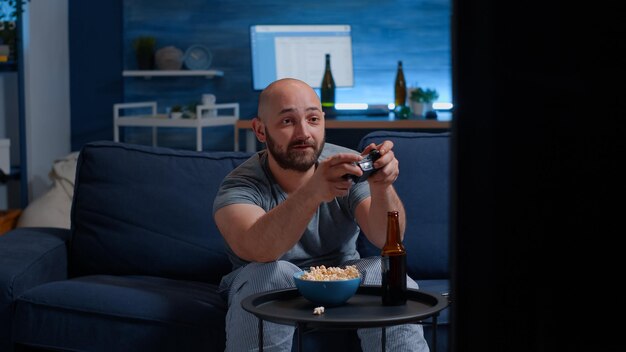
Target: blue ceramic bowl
[326,293]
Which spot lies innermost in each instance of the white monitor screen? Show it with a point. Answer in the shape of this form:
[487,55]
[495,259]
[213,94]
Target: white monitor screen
[298,51]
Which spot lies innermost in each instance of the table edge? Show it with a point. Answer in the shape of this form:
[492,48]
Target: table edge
[251,302]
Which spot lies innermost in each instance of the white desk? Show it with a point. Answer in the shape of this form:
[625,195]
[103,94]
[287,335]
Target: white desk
[155,120]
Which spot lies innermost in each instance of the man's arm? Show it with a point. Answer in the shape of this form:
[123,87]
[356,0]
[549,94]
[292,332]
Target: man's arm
[256,235]
[371,213]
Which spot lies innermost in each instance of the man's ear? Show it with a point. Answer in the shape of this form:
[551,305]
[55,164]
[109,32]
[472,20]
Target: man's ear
[259,129]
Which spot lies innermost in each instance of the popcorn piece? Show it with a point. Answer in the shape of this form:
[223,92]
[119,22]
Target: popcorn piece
[318,310]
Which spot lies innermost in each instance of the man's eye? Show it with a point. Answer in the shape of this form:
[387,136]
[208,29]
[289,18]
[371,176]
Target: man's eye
[286,121]
[314,119]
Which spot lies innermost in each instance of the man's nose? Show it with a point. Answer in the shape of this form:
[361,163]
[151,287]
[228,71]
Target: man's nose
[302,130]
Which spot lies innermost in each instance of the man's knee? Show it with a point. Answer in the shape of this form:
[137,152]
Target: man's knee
[276,274]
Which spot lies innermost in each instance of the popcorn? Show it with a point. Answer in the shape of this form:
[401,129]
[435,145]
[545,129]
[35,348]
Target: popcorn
[322,273]
[318,310]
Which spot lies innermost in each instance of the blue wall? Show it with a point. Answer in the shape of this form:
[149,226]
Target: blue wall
[383,32]
[95,68]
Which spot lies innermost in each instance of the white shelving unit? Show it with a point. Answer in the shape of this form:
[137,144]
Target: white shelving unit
[173,73]
[206,116]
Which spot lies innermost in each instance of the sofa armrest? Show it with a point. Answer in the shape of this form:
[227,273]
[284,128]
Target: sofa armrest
[28,257]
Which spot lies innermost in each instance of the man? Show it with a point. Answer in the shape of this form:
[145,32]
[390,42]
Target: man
[290,206]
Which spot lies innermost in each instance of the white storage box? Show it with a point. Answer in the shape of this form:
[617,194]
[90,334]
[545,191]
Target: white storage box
[5,155]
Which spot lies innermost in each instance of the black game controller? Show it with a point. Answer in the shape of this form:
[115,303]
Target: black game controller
[367,166]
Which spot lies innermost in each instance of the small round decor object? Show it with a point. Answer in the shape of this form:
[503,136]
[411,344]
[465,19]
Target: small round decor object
[326,293]
[169,58]
[198,57]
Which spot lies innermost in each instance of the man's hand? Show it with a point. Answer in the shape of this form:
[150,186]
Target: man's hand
[329,181]
[387,165]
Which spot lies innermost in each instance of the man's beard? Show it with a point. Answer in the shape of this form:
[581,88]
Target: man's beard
[290,159]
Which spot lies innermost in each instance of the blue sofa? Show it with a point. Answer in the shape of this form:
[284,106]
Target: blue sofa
[139,269]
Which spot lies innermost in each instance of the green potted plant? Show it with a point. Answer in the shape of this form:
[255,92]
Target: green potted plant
[10,9]
[422,99]
[189,112]
[176,112]
[144,52]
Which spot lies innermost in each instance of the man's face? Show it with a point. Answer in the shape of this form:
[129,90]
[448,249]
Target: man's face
[298,155]
[294,127]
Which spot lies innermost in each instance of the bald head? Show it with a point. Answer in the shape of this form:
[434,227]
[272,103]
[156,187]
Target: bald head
[286,93]
[290,121]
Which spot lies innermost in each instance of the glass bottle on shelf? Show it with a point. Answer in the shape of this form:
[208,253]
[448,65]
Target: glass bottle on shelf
[393,264]
[328,87]
[400,87]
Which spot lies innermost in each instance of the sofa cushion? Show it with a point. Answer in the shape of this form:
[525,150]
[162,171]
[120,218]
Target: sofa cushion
[122,313]
[28,257]
[424,185]
[140,210]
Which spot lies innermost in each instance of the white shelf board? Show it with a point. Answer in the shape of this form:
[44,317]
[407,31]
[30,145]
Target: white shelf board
[163,121]
[172,73]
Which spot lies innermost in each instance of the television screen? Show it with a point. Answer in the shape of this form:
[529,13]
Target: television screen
[298,51]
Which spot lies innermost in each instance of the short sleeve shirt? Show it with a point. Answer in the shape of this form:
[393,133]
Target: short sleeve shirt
[330,237]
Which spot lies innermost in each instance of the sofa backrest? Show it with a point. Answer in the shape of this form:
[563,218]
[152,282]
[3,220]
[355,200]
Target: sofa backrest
[424,187]
[140,210]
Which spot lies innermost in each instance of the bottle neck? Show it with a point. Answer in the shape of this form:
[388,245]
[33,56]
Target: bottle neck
[393,243]
[400,71]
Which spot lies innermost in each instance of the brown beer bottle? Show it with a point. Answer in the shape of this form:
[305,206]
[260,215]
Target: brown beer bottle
[328,87]
[400,87]
[393,259]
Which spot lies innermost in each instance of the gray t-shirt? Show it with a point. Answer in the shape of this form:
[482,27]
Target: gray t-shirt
[330,237]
